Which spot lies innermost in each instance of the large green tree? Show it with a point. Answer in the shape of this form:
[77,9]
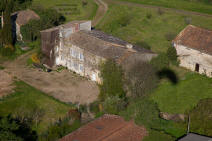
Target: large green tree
[112,77]
[13,130]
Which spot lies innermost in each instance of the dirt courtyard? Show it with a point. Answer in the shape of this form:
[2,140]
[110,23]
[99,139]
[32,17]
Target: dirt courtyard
[65,86]
[6,82]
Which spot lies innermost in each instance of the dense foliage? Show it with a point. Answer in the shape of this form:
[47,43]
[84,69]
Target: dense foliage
[13,129]
[201,119]
[48,18]
[160,62]
[112,80]
[60,129]
[141,79]
[172,55]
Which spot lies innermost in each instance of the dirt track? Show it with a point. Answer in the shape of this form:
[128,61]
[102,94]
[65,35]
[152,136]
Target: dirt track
[65,86]
[102,10]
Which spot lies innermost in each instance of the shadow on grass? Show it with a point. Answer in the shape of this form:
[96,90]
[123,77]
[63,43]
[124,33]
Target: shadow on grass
[169,74]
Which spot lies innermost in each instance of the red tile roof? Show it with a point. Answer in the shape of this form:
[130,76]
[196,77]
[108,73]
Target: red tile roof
[195,38]
[108,128]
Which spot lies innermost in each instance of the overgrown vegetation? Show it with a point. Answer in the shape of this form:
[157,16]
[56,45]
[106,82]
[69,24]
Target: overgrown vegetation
[140,79]
[200,116]
[27,103]
[14,129]
[48,18]
[112,80]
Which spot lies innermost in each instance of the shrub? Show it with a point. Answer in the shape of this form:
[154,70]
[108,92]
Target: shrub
[201,119]
[114,104]
[124,20]
[160,11]
[140,79]
[148,15]
[172,55]
[60,129]
[144,45]
[158,136]
[83,108]
[94,107]
[188,20]
[170,36]
[160,62]
[112,80]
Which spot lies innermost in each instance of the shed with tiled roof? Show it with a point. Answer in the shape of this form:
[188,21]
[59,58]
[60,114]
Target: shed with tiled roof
[194,49]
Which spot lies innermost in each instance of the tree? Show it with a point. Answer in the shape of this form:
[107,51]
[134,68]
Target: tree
[6,7]
[172,54]
[112,80]
[12,129]
[141,79]
[160,62]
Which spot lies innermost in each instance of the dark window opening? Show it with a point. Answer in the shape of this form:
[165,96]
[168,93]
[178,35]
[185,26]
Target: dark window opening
[197,67]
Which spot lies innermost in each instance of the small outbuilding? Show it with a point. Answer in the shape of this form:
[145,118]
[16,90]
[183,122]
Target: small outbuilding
[195,137]
[194,49]
[108,128]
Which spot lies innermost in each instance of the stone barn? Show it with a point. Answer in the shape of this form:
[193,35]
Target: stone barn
[194,49]
[80,49]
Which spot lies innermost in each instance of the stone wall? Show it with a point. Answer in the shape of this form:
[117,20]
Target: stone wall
[80,61]
[194,60]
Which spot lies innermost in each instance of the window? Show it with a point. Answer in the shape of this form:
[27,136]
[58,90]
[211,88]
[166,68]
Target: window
[81,57]
[76,66]
[81,67]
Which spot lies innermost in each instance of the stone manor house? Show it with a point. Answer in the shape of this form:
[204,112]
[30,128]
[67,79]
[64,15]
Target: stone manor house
[82,50]
[194,49]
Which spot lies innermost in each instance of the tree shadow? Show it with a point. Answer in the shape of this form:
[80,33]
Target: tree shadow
[169,74]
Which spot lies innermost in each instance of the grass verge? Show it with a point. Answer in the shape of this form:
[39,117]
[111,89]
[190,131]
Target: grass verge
[26,98]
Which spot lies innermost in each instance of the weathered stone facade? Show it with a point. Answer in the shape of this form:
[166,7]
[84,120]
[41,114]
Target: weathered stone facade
[194,49]
[82,50]
[194,60]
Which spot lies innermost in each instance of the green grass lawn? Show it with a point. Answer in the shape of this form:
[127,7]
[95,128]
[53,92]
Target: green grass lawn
[144,24]
[183,96]
[71,9]
[26,98]
[188,5]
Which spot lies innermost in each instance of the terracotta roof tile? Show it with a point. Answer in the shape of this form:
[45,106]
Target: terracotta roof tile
[195,38]
[108,128]
[24,16]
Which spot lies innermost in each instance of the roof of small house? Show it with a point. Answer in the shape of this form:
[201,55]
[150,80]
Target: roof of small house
[195,38]
[195,137]
[24,16]
[108,128]
[104,45]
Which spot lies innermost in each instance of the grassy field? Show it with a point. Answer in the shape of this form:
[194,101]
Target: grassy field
[183,96]
[71,9]
[196,6]
[26,98]
[147,25]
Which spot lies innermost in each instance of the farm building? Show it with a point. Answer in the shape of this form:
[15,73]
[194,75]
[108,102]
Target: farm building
[19,19]
[80,49]
[194,137]
[194,49]
[108,128]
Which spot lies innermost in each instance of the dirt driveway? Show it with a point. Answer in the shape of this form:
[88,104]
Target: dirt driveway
[6,82]
[65,86]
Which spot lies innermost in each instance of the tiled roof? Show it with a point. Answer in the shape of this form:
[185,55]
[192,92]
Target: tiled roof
[24,16]
[195,137]
[108,128]
[195,38]
[104,45]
